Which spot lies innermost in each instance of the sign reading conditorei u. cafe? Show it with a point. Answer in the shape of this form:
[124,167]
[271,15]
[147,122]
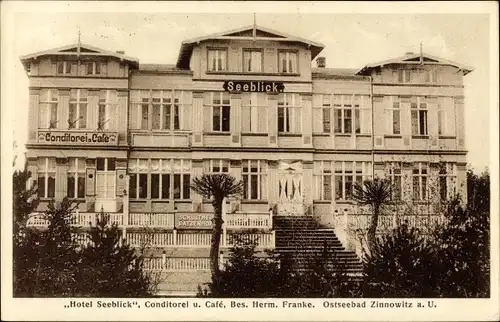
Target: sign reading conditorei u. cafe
[253,86]
[77,137]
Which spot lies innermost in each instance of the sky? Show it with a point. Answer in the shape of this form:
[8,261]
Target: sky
[351,40]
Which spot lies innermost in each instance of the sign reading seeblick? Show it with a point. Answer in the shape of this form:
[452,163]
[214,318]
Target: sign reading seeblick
[253,86]
[78,137]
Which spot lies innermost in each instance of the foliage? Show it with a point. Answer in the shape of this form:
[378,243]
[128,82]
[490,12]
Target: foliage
[111,268]
[375,193]
[463,243]
[218,187]
[24,200]
[402,264]
[46,261]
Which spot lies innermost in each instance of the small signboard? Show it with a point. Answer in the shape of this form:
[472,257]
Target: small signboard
[69,137]
[193,220]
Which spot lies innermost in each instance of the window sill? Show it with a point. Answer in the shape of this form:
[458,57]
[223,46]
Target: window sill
[347,202]
[363,135]
[393,136]
[182,200]
[134,131]
[447,137]
[321,134]
[217,133]
[419,136]
[343,134]
[254,134]
[161,200]
[289,134]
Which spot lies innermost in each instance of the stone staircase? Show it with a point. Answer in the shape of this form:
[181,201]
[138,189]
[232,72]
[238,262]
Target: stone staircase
[302,240]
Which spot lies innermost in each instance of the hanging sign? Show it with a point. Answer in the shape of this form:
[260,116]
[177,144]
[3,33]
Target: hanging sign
[77,137]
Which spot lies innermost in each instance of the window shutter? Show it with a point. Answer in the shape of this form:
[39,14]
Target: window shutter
[100,185]
[318,120]
[449,117]
[207,118]
[120,181]
[245,118]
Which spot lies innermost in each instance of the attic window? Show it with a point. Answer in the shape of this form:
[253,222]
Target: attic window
[93,68]
[63,67]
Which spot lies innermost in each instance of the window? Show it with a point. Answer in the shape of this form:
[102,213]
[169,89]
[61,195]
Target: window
[106,105]
[252,60]
[430,76]
[420,176]
[93,68]
[254,179]
[342,113]
[216,166]
[254,112]
[63,67]
[106,178]
[217,60]
[76,178]
[161,179]
[346,174]
[323,176]
[46,177]
[441,120]
[218,104]
[182,179]
[395,176]
[418,116]
[287,62]
[350,113]
[77,118]
[289,113]
[394,116]
[447,179]
[138,182]
[158,110]
[48,109]
[403,76]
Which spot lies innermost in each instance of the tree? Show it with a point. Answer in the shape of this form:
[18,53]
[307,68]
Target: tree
[111,268]
[463,242]
[248,273]
[24,199]
[402,263]
[218,187]
[374,193]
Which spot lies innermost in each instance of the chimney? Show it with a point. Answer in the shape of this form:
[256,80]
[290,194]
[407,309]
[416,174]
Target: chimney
[321,62]
[121,52]
[409,53]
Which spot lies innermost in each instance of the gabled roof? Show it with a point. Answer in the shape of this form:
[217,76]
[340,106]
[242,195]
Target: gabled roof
[414,59]
[85,50]
[244,33]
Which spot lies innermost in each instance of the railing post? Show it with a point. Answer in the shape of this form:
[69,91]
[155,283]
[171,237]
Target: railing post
[224,218]
[345,219]
[271,219]
[126,201]
[163,260]
[174,236]
[273,239]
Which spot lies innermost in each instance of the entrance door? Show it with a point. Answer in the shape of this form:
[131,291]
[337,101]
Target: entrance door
[290,189]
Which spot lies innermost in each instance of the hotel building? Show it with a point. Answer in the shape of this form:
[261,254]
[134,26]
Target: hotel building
[127,138]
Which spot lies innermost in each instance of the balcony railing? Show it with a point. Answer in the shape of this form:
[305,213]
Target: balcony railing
[424,222]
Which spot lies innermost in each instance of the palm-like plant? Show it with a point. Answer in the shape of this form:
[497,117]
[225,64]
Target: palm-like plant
[374,193]
[218,187]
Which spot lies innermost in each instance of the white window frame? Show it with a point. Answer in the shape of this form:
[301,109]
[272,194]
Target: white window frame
[291,67]
[219,56]
[255,109]
[290,103]
[323,170]
[442,120]
[222,97]
[96,68]
[249,57]
[341,104]
[66,67]
[420,171]
[419,101]
[431,75]
[107,174]
[50,121]
[106,103]
[211,164]
[136,169]
[360,172]
[396,101]
[396,172]
[182,172]
[77,172]
[448,171]
[164,169]
[261,175]
[406,75]
[80,100]
[47,170]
